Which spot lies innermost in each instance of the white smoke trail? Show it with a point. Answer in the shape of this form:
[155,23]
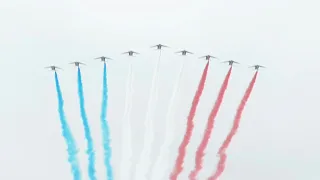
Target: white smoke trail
[126,130]
[144,160]
[162,160]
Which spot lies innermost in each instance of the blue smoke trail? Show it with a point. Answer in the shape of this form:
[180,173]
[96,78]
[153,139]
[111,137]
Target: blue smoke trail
[72,148]
[90,150]
[104,125]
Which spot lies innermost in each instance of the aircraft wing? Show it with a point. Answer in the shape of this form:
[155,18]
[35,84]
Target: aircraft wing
[102,57]
[82,63]
[159,45]
[126,52]
[52,67]
[189,52]
[135,52]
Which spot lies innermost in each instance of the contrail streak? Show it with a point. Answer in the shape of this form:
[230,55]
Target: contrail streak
[66,132]
[105,126]
[126,130]
[162,160]
[90,149]
[144,166]
[186,139]
[209,128]
[236,122]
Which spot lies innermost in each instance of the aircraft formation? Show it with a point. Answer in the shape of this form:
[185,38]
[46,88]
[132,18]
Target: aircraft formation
[140,172]
[158,47]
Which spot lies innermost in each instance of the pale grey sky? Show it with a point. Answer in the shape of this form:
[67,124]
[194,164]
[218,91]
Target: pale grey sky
[278,134]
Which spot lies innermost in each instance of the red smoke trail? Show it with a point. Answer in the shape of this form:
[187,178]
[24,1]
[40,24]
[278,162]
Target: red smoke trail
[182,149]
[220,167]
[209,128]
[226,143]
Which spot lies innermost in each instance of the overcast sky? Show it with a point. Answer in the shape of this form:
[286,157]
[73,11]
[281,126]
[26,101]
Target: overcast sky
[278,134]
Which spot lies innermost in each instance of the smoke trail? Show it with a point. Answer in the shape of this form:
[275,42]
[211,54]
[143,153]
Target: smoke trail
[126,130]
[165,148]
[66,132]
[105,126]
[209,128]
[220,167]
[90,150]
[182,149]
[144,164]
[226,143]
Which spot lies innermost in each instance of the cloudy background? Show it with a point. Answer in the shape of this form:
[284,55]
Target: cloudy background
[278,135]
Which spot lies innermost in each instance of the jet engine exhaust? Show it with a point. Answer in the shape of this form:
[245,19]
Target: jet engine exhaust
[226,143]
[66,132]
[182,148]
[104,125]
[87,131]
[209,127]
[126,128]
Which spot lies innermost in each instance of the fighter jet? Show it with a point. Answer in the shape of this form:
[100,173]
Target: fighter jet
[184,52]
[231,62]
[208,57]
[103,58]
[53,68]
[130,53]
[256,67]
[159,46]
[77,63]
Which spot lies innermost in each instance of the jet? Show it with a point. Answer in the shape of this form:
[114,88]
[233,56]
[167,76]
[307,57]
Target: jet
[76,63]
[53,68]
[256,67]
[159,46]
[184,52]
[208,57]
[103,58]
[130,53]
[231,62]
